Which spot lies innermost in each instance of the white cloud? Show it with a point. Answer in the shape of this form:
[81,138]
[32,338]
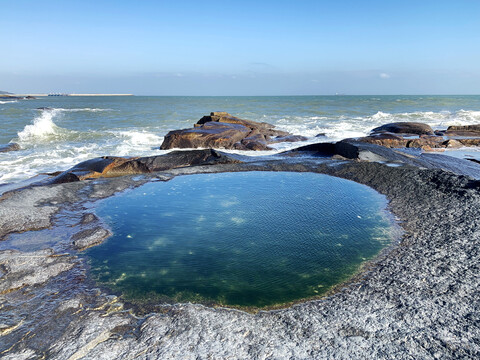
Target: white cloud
[384,76]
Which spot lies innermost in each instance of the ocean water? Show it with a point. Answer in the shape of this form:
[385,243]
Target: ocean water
[251,239]
[80,128]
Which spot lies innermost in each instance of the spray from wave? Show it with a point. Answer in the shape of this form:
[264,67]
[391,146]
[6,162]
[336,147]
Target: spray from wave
[42,127]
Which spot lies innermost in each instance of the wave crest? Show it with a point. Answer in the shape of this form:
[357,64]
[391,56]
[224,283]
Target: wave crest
[42,126]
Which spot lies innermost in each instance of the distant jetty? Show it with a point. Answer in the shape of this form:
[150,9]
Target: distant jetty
[65,94]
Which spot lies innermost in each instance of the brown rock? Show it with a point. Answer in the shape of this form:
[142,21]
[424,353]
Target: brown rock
[254,141]
[452,144]
[426,142]
[209,135]
[386,139]
[392,141]
[469,142]
[222,130]
[467,130]
[405,128]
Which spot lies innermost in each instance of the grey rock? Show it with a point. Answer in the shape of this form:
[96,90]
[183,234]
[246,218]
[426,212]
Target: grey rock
[21,269]
[88,218]
[89,237]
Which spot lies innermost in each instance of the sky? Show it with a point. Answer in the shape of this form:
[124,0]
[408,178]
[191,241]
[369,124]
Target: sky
[240,47]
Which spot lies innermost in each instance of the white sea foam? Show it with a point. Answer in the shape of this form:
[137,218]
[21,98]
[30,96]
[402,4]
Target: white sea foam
[83,109]
[8,101]
[42,126]
[438,120]
[136,142]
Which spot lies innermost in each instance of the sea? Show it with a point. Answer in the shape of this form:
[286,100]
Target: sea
[58,132]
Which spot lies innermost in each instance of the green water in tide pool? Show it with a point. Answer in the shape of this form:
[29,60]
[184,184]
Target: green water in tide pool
[253,239]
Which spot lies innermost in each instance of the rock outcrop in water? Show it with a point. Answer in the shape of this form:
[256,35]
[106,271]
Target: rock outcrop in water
[405,128]
[9,147]
[468,130]
[222,130]
[419,135]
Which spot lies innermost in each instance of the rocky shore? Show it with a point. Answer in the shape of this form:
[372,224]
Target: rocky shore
[222,130]
[418,299]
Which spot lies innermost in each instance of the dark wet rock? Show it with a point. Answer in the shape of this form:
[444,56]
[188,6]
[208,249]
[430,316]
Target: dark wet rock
[179,159]
[440,132]
[110,166]
[29,97]
[473,160]
[320,135]
[88,218]
[288,138]
[222,130]
[354,149]
[9,147]
[89,237]
[466,130]
[405,128]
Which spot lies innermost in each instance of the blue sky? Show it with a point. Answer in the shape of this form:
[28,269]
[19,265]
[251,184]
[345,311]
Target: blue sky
[241,47]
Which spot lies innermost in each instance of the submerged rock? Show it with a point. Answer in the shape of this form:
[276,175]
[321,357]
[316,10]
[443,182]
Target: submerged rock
[222,130]
[89,237]
[9,147]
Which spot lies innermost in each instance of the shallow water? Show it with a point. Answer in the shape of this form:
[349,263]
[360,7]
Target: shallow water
[75,129]
[254,239]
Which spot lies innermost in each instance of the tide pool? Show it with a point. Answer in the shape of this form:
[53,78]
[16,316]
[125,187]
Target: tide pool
[253,239]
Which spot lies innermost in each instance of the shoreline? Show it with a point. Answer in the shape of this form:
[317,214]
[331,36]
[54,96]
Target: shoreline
[403,303]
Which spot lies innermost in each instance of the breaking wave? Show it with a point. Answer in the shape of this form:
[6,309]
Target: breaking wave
[42,127]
